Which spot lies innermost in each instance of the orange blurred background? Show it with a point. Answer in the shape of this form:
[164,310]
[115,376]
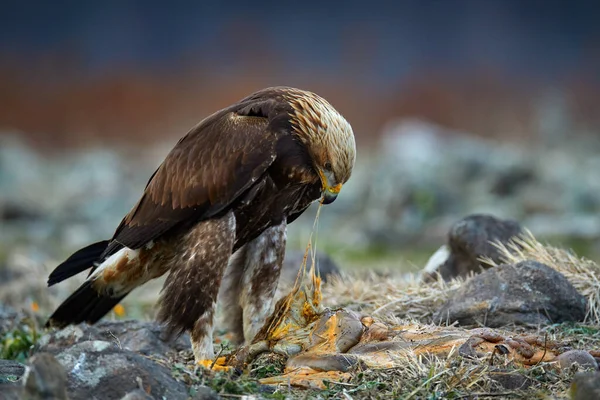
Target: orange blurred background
[74,74]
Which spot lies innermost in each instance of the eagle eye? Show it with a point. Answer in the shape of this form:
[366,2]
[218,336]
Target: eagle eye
[328,166]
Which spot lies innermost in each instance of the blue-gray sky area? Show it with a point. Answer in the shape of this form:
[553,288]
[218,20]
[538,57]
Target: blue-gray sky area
[389,40]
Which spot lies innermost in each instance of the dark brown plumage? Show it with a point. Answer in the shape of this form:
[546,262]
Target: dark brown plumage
[229,187]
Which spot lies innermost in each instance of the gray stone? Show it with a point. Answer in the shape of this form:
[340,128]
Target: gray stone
[528,293]
[45,378]
[205,393]
[10,371]
[11,391]
[17,212]
[586,386]
[577,357]
[100,369]
[470,239]
[510,380]
[109,360]
[509,181]
[138,394]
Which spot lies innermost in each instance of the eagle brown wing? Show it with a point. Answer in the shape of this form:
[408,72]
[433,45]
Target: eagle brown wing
[204,174]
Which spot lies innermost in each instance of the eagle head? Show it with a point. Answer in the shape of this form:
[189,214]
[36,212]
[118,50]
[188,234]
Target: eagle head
[327,136]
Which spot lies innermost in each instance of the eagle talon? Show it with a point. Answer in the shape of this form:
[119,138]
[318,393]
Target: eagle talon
[215,365]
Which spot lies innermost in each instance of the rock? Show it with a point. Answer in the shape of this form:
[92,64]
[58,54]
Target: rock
[17,212]
[205,393]
[293,261]
[470,239]
[45,378]
[11,391]
[511,380]
[108,360]
[508,182]
[8,318]
[103,370]
[140,337]
[585,386]
[138,394]
[528,293]
[10,371]
[116,360]
[580,357]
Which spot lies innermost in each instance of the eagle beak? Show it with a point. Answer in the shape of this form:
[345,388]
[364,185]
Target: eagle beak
[330,192]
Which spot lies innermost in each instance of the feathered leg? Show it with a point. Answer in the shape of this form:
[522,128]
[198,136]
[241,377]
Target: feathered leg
[190,291]
[229,297]
[263,260]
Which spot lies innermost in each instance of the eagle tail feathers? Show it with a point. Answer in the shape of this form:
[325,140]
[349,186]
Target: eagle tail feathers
[78,262]
[84,305]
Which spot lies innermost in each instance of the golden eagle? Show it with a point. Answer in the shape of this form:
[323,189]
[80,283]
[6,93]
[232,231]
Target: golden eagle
[214,215]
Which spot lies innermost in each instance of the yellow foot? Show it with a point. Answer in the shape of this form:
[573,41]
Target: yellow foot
[218,365]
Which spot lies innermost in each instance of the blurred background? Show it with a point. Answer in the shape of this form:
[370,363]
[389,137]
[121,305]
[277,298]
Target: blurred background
[458,107]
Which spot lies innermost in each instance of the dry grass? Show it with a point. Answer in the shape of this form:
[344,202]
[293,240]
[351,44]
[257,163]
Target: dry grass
[392,298]
[400,296]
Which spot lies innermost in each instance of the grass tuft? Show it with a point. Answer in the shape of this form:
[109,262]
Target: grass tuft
[17,343]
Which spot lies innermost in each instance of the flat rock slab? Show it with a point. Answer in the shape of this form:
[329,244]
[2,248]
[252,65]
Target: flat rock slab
[111,359]
[99,369]
[528,293]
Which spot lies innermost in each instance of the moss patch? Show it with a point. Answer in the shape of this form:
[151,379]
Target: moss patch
[17,343]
